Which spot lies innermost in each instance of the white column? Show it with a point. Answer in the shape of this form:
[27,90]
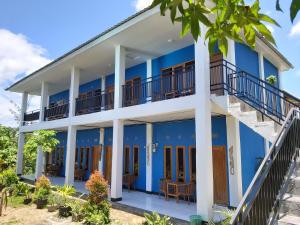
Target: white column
[70,158]
[39,162]
[231,52]
[119,75]
[117,160]
[101,142]
[234,161]
[149,76]
[74,90]
[21,139]
[44,99]
[149,135]
[204,166]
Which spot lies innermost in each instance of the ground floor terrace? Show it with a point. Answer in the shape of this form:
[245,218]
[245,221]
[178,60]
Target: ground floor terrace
[159,163]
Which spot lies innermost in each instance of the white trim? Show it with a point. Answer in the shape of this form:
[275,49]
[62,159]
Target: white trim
[119,75]
[74,90]
[39,163]
[44,100]
[70,157]
[149,136]
[101,142]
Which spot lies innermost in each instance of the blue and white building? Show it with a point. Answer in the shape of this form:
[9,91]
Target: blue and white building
[139,100]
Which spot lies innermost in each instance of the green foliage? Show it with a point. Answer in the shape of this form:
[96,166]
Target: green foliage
[97,187]
[66,191]
[8,147]
[228,214]
[20,189]
[96,214]
[8,178]
[295,7]
[234,19]
[77,211]
[41,194]
[272,79]
[156,219]
[43,182]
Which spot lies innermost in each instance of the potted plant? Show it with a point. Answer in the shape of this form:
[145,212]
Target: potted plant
[64,209]
[53,202]
[27,195]
[77,211]
[41,197]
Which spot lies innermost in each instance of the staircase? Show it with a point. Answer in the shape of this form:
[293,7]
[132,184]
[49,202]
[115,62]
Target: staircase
[273,196]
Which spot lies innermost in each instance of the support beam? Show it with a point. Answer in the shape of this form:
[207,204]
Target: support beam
[21,140]
[74,90]
[149,135]
[117,160]
[119,75]
[39,162]
[70,158]
[101,142]
[234,161]
[204,166]
[103,88]
[44,100]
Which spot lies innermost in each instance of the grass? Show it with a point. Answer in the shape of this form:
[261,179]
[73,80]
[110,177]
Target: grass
[15,201]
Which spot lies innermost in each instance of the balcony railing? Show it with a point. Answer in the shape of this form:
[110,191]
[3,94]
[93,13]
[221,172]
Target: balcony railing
[174,84]
[56,112]
[32,116]
[95,103]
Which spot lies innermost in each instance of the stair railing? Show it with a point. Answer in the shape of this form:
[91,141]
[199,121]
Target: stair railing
[259,94]
[261,202]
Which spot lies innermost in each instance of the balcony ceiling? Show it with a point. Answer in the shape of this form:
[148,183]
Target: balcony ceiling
[151,35]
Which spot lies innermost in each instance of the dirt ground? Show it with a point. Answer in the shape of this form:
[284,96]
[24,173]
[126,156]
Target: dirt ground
[29,215]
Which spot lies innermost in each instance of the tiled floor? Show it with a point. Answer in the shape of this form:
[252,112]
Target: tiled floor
[181,210]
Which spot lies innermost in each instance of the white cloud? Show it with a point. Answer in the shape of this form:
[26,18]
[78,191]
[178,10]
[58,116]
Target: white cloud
[141,4]
[18,57]
[295,30]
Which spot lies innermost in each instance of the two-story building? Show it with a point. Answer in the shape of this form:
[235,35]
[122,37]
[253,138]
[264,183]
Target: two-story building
[155,112]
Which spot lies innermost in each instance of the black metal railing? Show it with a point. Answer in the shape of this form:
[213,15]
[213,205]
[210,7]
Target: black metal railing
[95,103]
[261,202]
[174,84]
[31,116]
[259,94]
[56,112]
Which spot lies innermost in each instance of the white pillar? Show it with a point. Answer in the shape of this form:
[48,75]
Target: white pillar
[39,162]
[70,158]
[74,90]
[149,135]
[261,66]
[44,99]
[119,75]
[117,160]
[231,52]
[204,166]
[21,139]
[103,87]
[234,161]
[101,142]
[149,76]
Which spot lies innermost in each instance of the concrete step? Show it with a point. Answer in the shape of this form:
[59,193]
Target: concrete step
[290,205]
[289,220]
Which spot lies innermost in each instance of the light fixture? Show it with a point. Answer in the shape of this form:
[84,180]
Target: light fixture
[170,40]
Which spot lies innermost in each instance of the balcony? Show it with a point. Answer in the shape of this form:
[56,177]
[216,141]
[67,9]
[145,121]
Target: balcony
[94,101]
[55,111]
[170,84]
[30,117]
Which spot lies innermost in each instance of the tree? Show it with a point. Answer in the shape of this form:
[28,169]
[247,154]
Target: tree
[233,19]
[8,147]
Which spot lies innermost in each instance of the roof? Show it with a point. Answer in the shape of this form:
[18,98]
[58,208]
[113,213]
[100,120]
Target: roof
[113,28]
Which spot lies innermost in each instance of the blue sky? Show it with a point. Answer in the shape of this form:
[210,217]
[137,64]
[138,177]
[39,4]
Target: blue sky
[35,32]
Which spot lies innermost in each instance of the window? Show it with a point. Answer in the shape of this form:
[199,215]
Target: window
[192,162]
[136,165]
[180,163]
[81,157]
[168,162]
[87,159]
[132,91]
[126,160]
[109,97]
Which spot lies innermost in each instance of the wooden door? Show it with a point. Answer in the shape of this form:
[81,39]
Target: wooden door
[96,157]
[108,159]
[220,175]
[180,163]
[216,74]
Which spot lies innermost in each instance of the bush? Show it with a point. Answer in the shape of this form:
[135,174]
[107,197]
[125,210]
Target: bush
[8,178]
[97,187]
[41,194]
[96,214]
[43,182]
[66,191]
[20,189]
[77,211]
[155,219]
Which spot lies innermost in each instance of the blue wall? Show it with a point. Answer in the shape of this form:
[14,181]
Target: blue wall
[95,84]
[136,71]
[270,69]
[173,58]
[246,59]
[64,95]
[62,137]
[110,80]
[252,148]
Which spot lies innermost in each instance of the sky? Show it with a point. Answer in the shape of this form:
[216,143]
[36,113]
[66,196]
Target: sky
[35,32]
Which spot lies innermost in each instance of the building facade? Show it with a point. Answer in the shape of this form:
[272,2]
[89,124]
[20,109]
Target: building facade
[138,104]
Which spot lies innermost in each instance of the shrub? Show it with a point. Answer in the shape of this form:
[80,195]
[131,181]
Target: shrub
[20,188]
[155,219]
[77,211]
[66,191]
[43,182]
[9,178]
[97,187]
[96,214]
[41,194]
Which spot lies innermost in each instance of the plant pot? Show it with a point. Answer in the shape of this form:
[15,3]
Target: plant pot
[27,201]
[77,217]
[41,203]
[64,211]
[52,208]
